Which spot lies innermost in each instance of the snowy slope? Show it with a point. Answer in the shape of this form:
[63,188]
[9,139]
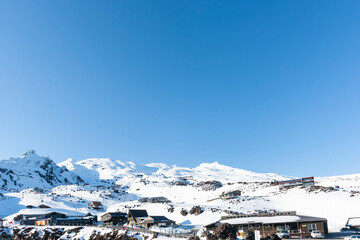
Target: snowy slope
[217,171]
[94,169]
[105,168]
[31,170]
[118,185]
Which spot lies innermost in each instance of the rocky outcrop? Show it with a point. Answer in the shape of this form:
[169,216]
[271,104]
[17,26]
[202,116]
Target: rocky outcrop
[184,212]
[194,238]
[225,231]
[196,210]
[274,237]
[249,235]
[31,171]
[33,233]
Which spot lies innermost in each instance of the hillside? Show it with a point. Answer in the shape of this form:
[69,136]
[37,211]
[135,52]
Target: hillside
[71,185]
[31,170]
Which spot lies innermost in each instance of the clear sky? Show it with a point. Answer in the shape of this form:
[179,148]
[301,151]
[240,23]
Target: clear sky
[267,86]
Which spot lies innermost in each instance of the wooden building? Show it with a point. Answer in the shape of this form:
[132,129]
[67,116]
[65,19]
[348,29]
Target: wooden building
[158,221]
[136,216]
[96,205]
[230,195]
[299,226]
[114,218]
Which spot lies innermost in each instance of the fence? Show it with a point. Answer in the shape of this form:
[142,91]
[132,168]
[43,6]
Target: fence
[168,234]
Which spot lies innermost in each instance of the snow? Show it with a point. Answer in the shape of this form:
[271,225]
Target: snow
[264,220]
[118,185]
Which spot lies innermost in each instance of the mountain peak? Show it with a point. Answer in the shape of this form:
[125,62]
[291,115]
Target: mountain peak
[29,153]
[31,170]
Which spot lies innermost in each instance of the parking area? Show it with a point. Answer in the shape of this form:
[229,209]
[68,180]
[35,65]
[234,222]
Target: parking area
[336,236]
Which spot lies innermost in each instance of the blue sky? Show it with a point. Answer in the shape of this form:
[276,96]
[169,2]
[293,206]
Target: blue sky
[267,86]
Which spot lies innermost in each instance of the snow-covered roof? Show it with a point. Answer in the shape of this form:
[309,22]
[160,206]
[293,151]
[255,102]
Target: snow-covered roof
[47,210]
[270,220]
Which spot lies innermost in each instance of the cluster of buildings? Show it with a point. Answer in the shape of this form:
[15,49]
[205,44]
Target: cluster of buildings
[298,226]
[55,218]
[134,217]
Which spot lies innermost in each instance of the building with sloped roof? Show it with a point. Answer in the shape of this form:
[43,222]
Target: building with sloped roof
[159,221]
[96,205]
[297,225]
[30,219]
[114,218]
[136,216]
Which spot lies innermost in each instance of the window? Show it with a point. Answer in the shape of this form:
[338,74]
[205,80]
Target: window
[267,225]
[250,226]
[311,227]
[257,226]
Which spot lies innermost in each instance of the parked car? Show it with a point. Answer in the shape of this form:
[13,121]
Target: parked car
[352,237]
[283,234]
[316,234]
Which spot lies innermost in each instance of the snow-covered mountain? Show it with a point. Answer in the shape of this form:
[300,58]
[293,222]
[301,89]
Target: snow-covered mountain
[71,185]
[31,170]
[106,169]
[94,169]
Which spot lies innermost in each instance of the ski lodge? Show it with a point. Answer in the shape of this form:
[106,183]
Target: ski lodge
[299,226]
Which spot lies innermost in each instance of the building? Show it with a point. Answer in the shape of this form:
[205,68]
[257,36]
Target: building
[86,220]
[307,181]
[353,224]
[114,218]
[210,185]
[230,195]
[154,200]
[96,205]
[299,226]
[43,222]
[55,218]
[158,221]
[48,218]
[136,216]
[260,214]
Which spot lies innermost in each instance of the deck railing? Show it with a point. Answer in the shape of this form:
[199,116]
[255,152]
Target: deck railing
[163,233]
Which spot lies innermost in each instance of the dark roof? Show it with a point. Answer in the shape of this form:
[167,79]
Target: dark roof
[43,206]
[157,219]
[117,214]
[138,213]
[161,219]
[42,214]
